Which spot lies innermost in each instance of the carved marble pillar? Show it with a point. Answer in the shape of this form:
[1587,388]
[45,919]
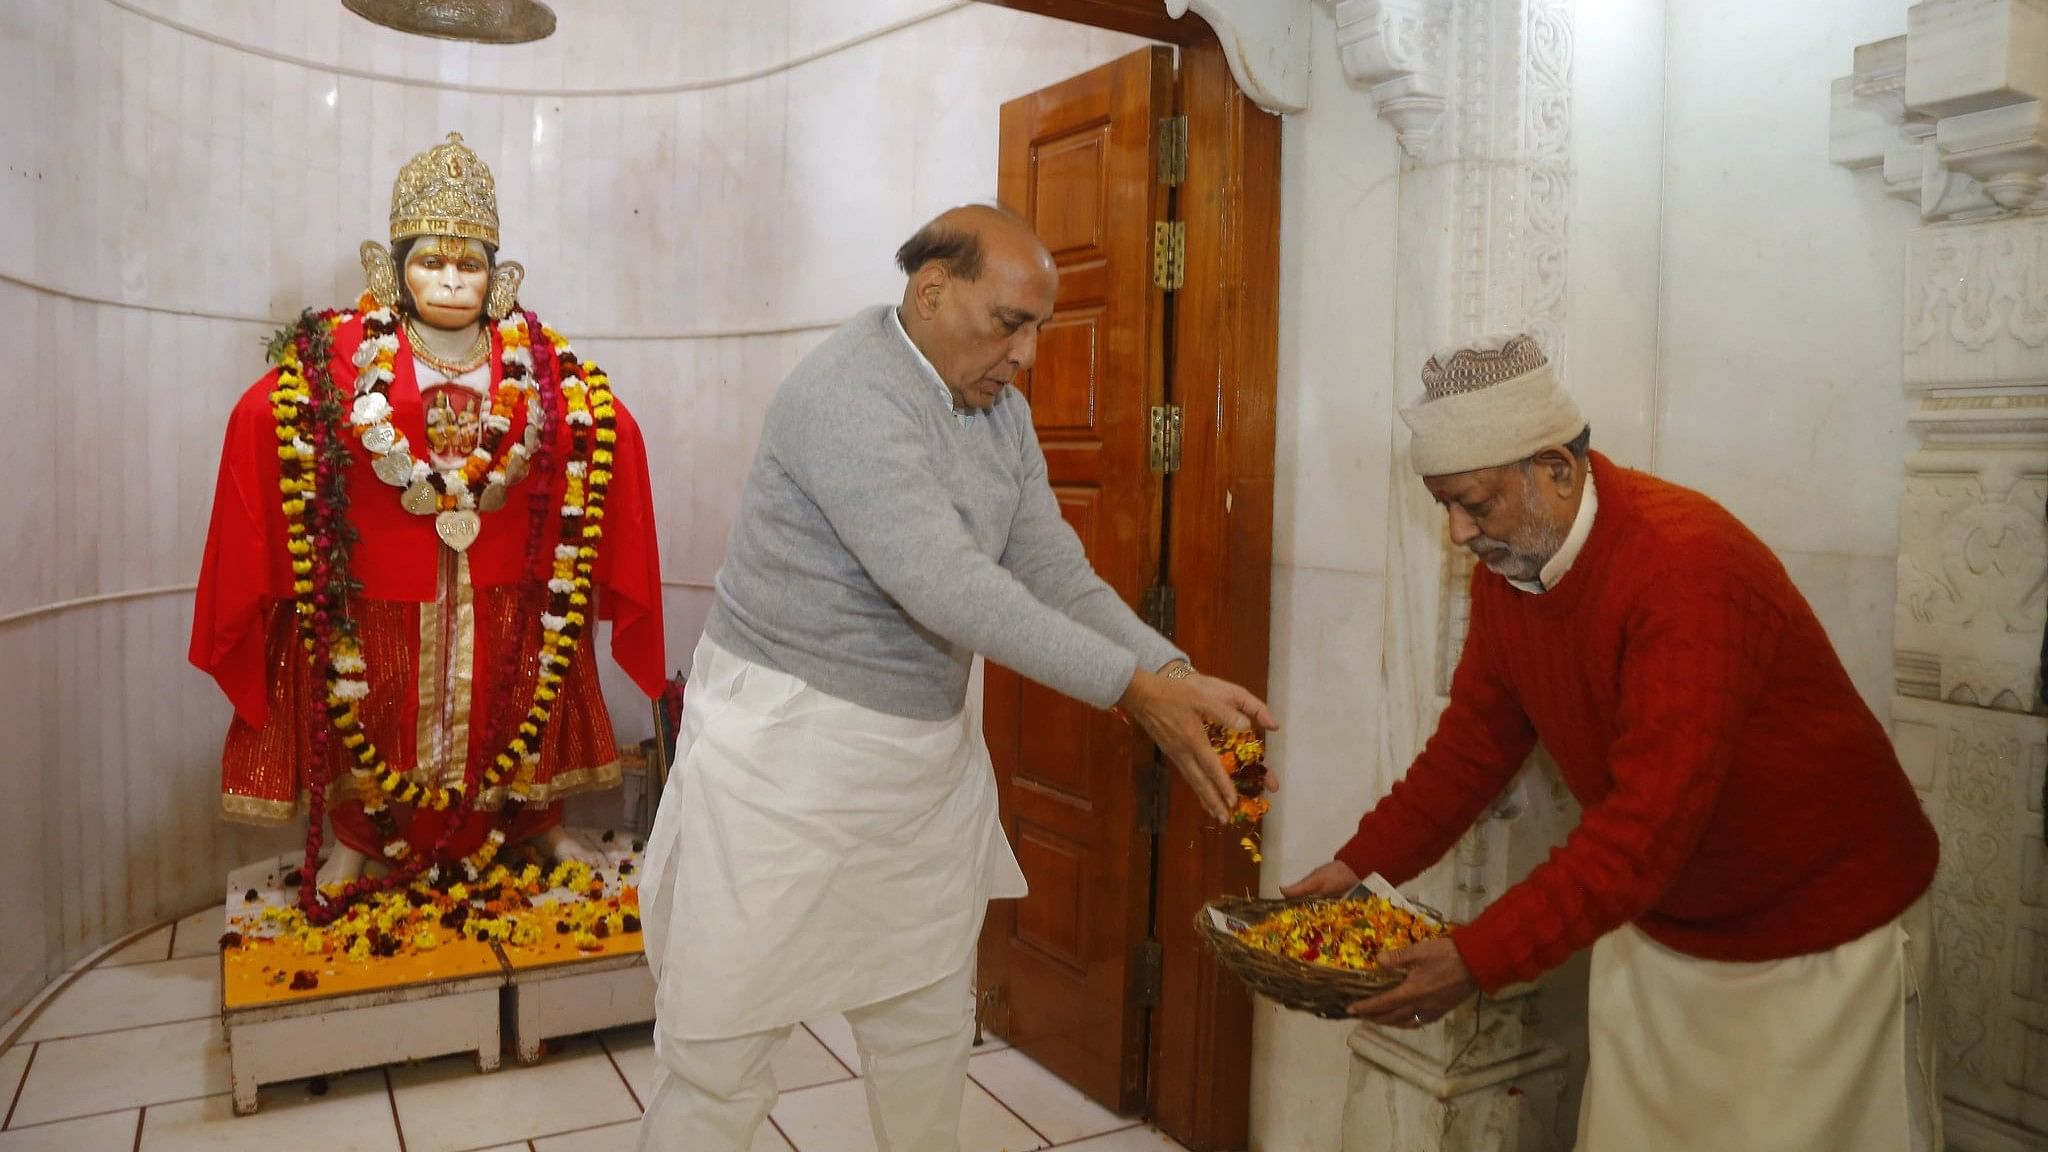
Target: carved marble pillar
[1479,94]
[1951,115]
[1481,1080]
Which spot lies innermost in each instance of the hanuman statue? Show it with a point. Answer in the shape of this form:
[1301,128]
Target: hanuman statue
[422,512]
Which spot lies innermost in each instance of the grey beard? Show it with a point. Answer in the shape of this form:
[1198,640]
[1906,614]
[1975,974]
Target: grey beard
[1531,548]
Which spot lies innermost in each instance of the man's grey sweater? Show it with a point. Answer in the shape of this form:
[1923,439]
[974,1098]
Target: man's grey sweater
[882,542]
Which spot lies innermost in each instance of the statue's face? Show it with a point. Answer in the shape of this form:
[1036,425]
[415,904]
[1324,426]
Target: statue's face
[449,278]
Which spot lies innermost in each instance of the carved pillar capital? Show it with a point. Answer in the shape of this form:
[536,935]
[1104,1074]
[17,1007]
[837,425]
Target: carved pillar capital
[1953,111]
[1400,50]
[1266,42]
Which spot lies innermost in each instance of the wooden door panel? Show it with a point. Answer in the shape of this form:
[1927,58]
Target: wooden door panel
[1068,351]
[1077,161]
[1068,184]
[1053,926]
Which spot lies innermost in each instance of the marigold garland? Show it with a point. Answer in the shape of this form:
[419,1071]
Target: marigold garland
[314,466]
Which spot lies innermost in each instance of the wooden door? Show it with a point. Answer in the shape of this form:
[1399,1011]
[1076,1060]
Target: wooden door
[1060,970]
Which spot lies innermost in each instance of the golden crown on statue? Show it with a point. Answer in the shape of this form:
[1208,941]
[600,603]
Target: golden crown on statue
[445,191]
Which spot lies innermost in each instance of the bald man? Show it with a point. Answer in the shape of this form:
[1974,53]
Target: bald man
[829,839]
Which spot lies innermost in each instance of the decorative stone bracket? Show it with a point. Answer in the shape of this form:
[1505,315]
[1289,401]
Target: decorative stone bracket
[1953,111]
[1400,49]
[1266,42]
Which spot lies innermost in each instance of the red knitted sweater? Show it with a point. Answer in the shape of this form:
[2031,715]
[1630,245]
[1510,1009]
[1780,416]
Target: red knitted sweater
[1740,801]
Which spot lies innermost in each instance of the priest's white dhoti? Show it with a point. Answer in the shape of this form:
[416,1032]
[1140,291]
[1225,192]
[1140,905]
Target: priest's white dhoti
[810,857]
[1819,1053]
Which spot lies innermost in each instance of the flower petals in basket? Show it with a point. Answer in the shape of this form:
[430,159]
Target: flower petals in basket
[1314,955]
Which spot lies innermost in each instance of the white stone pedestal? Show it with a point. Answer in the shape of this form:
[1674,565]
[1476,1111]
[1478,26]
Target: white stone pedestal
[1479,1080]
[570,999]
[282,1042]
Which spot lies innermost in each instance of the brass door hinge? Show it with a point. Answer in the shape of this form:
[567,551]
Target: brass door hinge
[1164,455]
[1169,254]
[1173,150]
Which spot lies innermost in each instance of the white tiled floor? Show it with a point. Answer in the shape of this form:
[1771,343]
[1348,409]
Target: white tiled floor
[132,996]
[130,1058]
[199,934]
[152,945]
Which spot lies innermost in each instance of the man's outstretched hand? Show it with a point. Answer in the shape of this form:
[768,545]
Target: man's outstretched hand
[1332,879]
[1176,714]
[1434,980]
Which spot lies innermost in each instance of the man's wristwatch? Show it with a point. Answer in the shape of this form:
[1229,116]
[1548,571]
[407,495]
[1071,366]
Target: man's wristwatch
[1178,670]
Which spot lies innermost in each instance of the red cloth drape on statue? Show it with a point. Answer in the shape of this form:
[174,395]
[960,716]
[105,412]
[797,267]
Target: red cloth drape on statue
[242,632]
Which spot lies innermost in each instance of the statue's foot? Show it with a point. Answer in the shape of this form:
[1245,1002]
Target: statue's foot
[343,865]
[563,848]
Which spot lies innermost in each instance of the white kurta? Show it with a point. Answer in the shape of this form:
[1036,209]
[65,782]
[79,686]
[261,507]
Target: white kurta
[1808,1054]
[811,855]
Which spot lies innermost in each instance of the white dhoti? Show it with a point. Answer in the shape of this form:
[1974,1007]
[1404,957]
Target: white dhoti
[811,856]
[1819,1053]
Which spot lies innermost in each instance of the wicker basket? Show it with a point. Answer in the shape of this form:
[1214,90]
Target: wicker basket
[1296,984]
